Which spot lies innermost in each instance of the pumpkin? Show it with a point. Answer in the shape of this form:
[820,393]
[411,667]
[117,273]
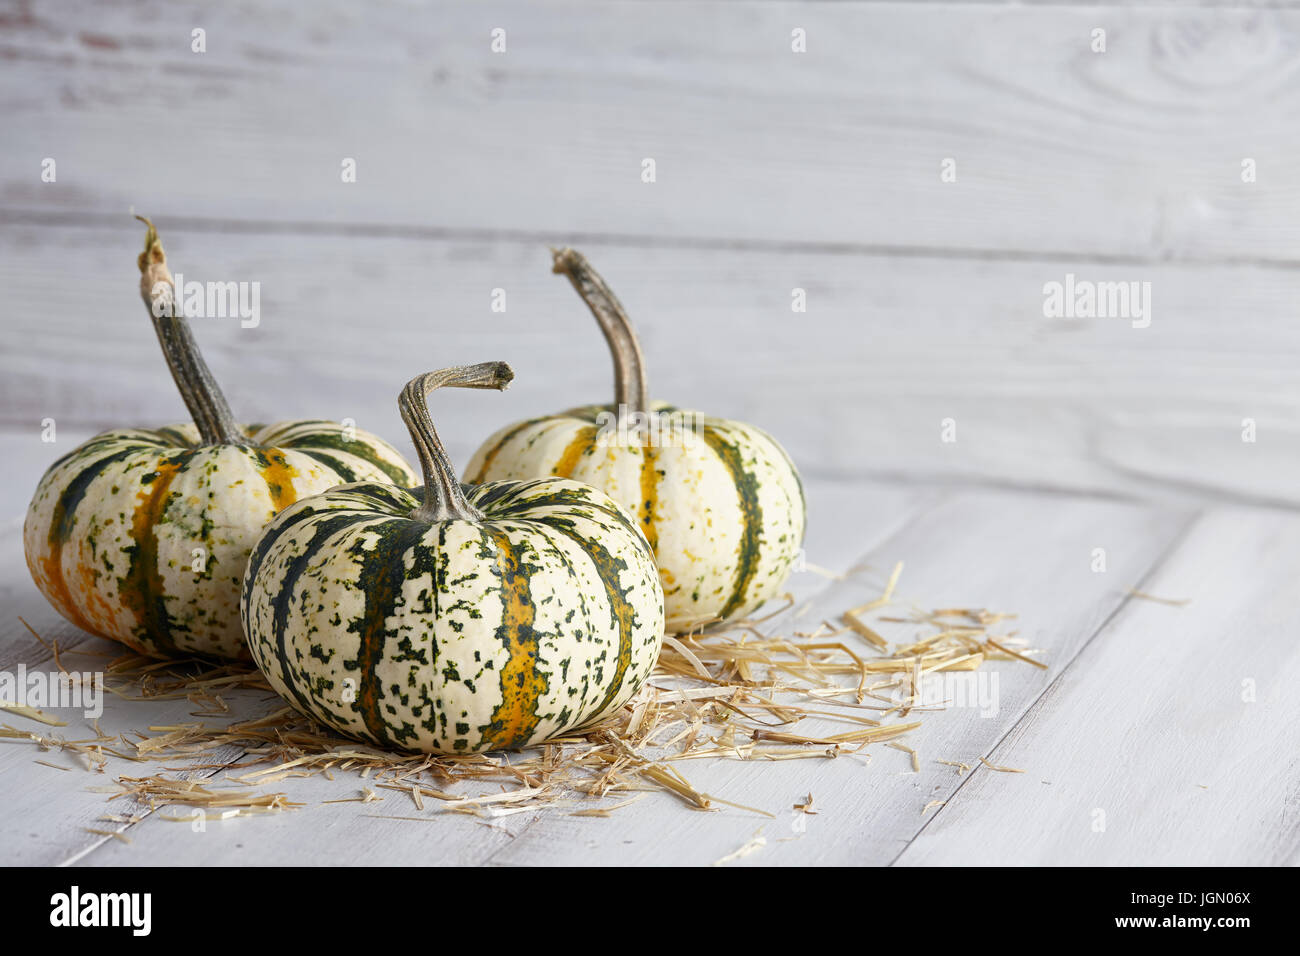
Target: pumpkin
[141,535]
[720,501]
[456,619]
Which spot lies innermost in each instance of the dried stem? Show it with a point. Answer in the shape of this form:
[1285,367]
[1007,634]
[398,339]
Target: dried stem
[630,389]
[443,497]
[198,388]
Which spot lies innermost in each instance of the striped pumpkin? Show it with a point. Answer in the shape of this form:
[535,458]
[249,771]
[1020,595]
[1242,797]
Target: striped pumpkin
[142,535]
[475,619]
[720,501]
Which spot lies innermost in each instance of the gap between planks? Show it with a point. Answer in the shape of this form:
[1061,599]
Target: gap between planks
[913,515]
[1188,491]
[373,230]
[1032,706]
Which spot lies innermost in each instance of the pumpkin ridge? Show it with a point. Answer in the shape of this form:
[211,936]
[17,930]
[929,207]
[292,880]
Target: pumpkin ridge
[621,610]
[82,451]
[497,448]
[383,572]
[172,435]
[574,450]
[330,462]
[542,531]
[522,684]
[361,449]
[61,528]
[142,589]
[507,502]
[397,502]
[278,475]
[789,463]
[649,495]
[75,492]
[322,530]
[751,515]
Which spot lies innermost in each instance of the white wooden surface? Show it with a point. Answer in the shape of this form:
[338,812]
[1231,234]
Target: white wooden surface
[775,170]
[1180,728]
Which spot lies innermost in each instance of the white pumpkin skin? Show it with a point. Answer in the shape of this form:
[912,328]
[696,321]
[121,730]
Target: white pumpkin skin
[112,531]
[455,636]
[720,501]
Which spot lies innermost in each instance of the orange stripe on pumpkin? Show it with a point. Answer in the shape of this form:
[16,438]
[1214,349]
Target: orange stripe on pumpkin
[51,566]
[650,495]
[522,685]
[278,475]
[142,590]
[576,448]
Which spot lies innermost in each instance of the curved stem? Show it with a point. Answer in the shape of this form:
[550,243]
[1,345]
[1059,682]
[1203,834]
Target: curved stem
[630,389]
[198,388]
[443,497]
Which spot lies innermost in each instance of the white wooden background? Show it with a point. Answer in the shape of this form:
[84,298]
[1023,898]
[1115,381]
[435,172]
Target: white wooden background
[775,170]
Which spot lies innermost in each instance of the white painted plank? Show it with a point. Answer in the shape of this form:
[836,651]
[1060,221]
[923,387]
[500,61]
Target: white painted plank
[47,811]
[1133,152]
[1150,734]
[859,385]
[1024,553]
[317,834]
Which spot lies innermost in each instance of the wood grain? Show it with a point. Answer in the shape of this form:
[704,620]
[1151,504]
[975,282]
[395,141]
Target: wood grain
[857,385]
[775,171]
[1132,155]
[1021,553]
[1182,726]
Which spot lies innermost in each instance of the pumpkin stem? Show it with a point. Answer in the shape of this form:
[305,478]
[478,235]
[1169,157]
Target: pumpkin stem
[198,388]
[630,389]
[444,499]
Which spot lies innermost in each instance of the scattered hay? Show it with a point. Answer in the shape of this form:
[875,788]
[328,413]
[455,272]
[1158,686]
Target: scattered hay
[31,713]
[1172,602]
[996,768]
[745,693]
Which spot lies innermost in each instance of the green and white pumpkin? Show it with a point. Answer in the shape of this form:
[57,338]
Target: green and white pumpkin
[459,619]
[720,501]
[142,535]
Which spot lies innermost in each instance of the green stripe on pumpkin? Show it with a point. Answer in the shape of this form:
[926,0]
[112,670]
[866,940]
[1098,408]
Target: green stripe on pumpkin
[609,569]
[142,589]
[751,513]
[496,449]
[333,439]
[74,492]
[323,530]
[501,500]
[382,575]
[174,436]
[61,520]
[330,462]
